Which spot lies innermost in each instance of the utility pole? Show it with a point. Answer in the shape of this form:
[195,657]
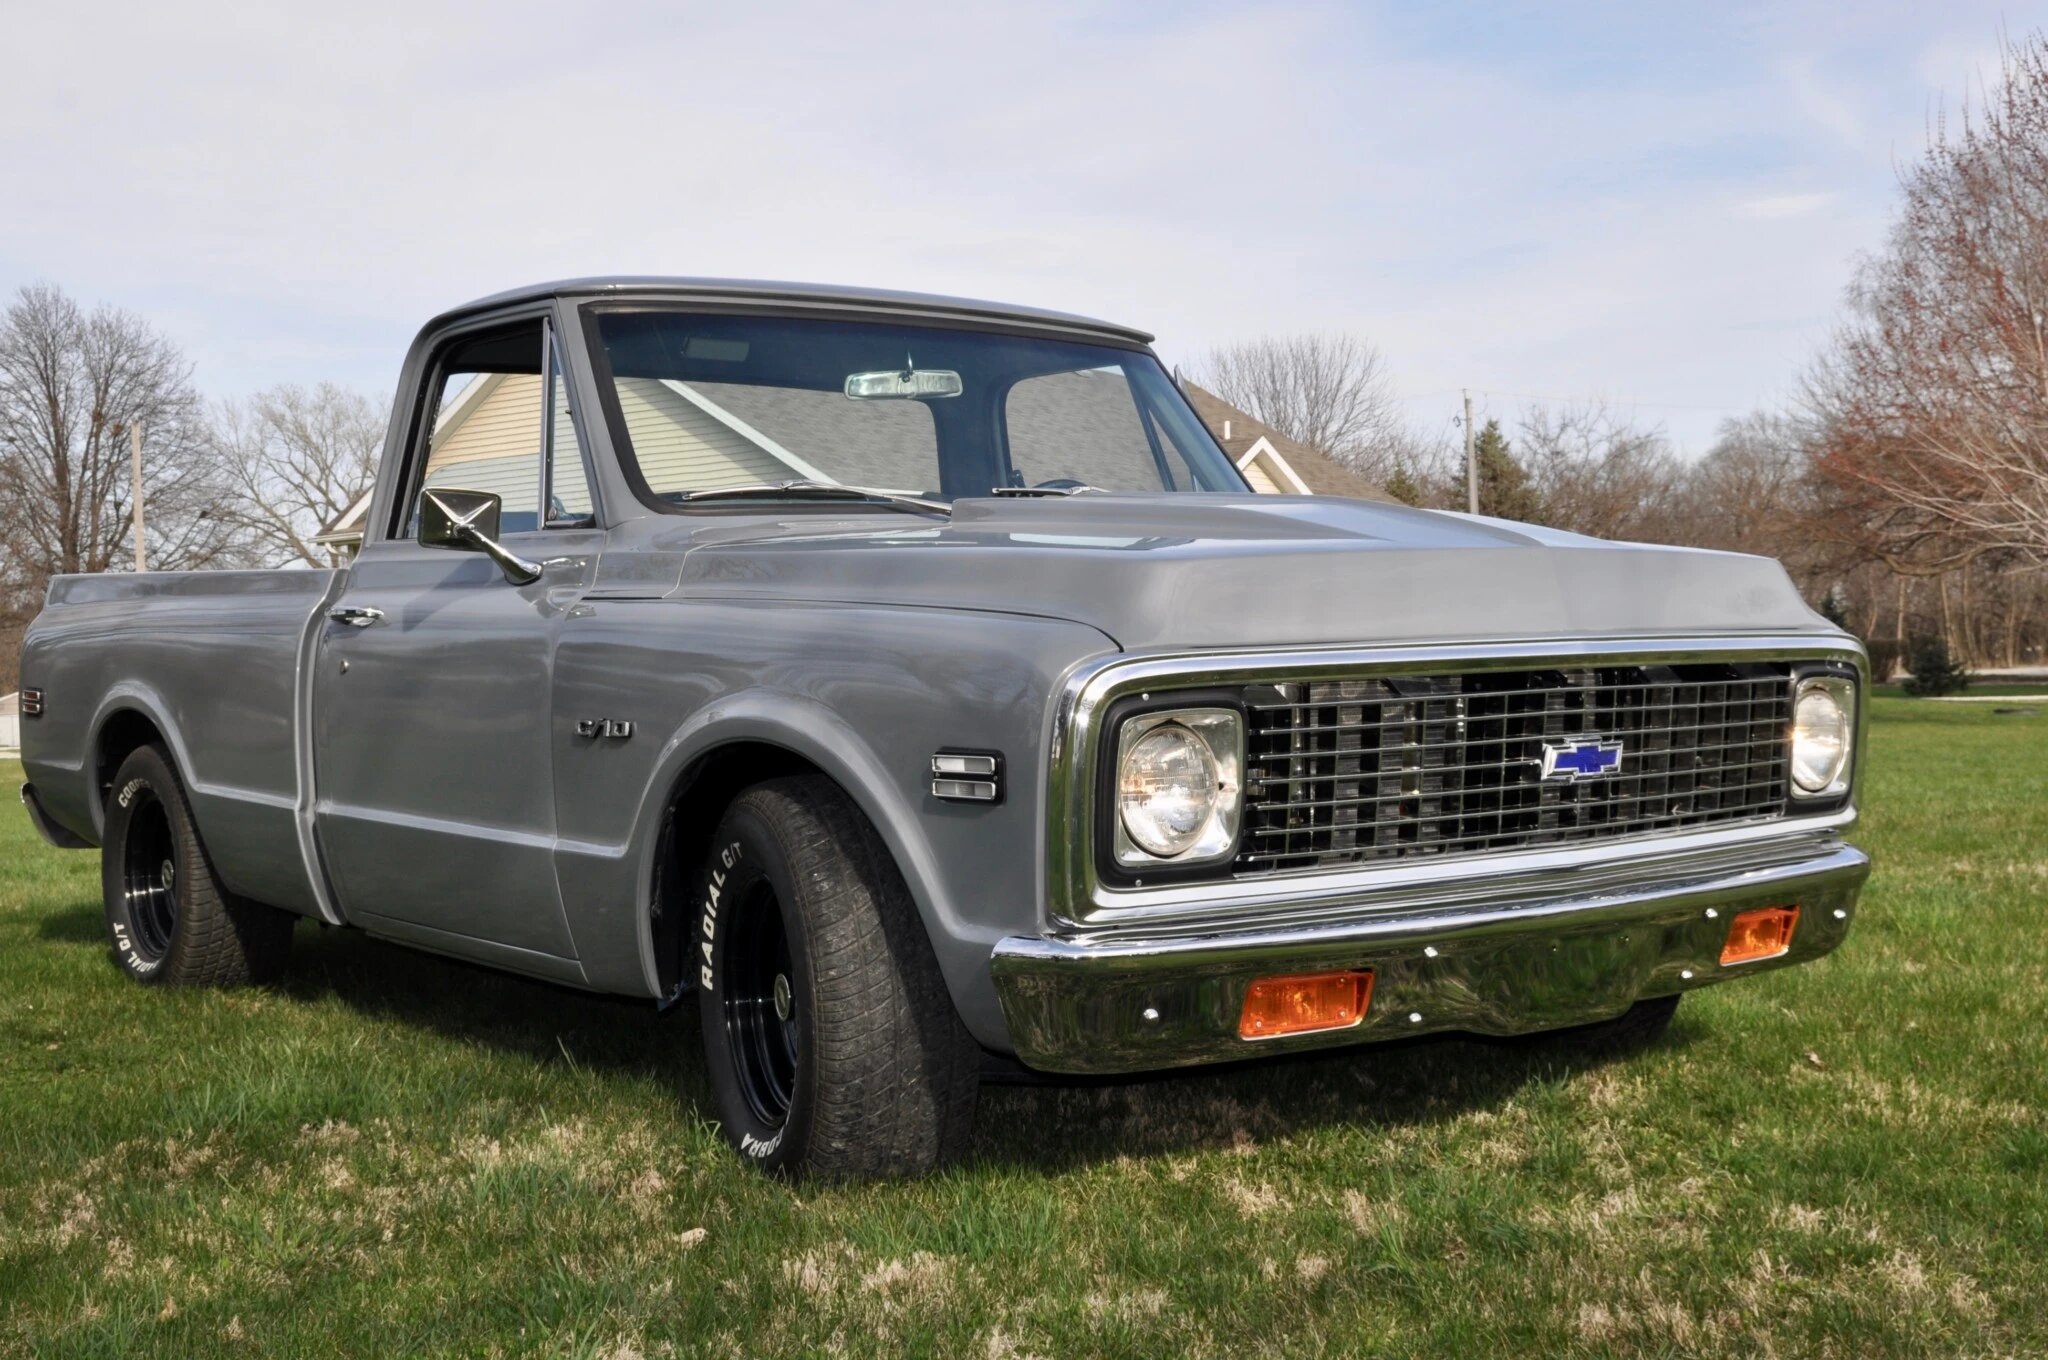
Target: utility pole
[135,473]
[1471,461]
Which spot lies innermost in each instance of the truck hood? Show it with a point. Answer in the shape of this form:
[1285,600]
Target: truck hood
[1179,571]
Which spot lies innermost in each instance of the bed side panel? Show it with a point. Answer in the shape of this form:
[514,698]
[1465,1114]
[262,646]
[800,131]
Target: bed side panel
[213,659]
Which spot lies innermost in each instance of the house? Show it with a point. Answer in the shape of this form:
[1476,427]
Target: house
[345,535]
[10,722]
[1272,462]
[709,434]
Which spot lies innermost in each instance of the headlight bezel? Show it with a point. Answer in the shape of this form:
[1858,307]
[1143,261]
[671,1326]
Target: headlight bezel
[1217,719]
[1841,684]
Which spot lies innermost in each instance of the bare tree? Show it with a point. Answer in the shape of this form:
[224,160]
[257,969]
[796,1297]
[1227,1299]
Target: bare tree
[71,383]
[1596,472]
[1330,392]
[17,606]
[1756,491]
[298,458]
[1423,467]
[1933,400]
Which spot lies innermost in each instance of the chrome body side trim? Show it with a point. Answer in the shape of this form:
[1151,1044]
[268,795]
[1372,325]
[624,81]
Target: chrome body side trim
[1093,1005]
[1077,899]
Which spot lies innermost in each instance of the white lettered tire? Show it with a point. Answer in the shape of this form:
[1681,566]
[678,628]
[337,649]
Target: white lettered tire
[170,921]
[832,1045]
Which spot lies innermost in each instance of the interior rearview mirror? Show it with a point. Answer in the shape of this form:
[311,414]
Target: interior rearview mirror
[467,521]
[906,384]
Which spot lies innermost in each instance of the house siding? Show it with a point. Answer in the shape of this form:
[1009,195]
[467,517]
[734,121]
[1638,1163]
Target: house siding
[505,422]
[681,447]
[1262,482]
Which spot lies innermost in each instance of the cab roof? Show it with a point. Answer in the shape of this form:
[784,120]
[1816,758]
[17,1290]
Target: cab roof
[834,296]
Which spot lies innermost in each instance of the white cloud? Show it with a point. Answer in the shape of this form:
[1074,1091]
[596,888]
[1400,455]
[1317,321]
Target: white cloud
[1822,100]
[1774,206]
[1960,68]
[291,191]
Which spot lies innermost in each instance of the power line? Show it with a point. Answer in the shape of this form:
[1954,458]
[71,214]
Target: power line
[1557,398]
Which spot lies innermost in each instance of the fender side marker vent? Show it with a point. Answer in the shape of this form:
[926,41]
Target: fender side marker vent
[968,776]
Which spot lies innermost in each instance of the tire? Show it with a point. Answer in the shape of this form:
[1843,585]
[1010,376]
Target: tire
[832,1045]
[169,919]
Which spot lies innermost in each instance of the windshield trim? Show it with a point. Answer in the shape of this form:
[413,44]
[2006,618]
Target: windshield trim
[598,359]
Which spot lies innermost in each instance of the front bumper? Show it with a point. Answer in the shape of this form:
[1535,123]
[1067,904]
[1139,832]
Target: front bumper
[1101,1005]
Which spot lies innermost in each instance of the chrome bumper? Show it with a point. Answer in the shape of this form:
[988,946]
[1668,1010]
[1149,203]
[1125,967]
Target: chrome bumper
[1097,1005]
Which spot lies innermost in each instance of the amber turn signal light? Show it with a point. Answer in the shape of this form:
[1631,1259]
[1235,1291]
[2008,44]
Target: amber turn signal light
[1763,933]
[1303,1003]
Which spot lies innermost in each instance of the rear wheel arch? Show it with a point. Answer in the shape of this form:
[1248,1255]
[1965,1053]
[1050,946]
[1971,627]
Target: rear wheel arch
[170,918]
[121,733]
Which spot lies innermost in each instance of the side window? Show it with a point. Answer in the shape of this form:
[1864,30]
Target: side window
[1081,426]
[502,425]
[487,423]
[568,490]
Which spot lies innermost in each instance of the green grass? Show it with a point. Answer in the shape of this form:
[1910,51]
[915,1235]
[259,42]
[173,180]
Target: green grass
[1981,689]
[395,1155]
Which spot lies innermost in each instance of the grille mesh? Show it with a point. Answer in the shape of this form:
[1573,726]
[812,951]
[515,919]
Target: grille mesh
[1366,770]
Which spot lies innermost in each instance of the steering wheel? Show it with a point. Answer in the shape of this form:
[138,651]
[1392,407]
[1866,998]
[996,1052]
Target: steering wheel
[1059,484]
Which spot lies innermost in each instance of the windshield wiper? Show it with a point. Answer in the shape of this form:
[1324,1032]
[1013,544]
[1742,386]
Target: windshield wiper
[824,491]
[1077,489]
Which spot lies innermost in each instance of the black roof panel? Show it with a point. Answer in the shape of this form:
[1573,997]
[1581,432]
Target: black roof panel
[761,290]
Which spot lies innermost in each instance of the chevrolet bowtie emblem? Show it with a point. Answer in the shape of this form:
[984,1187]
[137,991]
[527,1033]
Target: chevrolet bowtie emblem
[1587,758]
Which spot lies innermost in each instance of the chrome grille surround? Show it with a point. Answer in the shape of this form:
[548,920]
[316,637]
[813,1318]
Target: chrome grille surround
[1318,885]
[1377,768]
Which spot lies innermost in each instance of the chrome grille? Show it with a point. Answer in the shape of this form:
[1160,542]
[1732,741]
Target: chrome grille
[1355,771]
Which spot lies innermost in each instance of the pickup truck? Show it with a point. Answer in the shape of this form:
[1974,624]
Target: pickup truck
[918,683]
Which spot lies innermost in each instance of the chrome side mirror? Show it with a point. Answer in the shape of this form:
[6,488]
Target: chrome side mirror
[467,521]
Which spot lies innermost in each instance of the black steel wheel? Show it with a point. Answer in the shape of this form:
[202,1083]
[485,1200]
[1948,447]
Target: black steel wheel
[762,1027]
[149,872]
[170,919]
[830,1040]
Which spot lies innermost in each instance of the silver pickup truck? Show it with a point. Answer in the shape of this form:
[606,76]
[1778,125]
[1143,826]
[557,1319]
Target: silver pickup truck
[918,683]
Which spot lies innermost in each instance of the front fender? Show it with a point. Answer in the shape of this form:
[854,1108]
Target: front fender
[866,694]
[807,729]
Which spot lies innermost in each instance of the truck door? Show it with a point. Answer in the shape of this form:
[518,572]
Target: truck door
[434,790]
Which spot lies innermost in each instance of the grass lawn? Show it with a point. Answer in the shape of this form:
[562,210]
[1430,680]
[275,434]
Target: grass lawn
[395,1155]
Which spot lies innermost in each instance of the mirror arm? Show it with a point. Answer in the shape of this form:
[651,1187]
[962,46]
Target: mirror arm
[517,569]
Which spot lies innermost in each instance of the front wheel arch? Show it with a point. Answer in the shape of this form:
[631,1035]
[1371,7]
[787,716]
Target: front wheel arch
[784,733]
[694,807]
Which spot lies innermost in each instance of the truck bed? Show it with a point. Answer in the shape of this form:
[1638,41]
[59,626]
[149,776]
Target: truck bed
[216,657]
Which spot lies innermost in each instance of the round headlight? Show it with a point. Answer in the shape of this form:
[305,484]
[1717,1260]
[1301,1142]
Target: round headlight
[1820,739]
[1166,790]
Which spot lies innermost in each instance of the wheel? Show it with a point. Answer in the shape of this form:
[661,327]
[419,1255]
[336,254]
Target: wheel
[832,1045]
[171,921]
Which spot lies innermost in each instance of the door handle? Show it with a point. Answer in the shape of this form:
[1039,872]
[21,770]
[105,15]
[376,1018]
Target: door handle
[355,615]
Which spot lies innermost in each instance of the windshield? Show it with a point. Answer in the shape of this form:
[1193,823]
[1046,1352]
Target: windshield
[719,403]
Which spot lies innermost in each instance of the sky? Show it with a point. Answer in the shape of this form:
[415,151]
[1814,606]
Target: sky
[1653,205]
